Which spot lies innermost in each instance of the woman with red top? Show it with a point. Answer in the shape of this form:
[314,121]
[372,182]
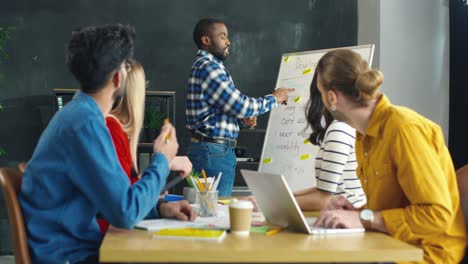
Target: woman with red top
[125,121]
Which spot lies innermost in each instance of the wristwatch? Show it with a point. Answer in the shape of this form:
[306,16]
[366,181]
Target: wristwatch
[367,217]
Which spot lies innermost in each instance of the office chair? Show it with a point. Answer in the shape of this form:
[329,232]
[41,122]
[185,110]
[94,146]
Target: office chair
[22,166]
[10,183]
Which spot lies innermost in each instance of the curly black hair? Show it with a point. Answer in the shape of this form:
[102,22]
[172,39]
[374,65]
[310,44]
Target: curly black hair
[203,28]
[315,111]
[94,52]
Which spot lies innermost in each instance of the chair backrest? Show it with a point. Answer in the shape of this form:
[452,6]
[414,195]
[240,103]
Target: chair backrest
[22,166]
[10,183]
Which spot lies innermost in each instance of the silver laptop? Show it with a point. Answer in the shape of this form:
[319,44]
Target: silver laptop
[276,201]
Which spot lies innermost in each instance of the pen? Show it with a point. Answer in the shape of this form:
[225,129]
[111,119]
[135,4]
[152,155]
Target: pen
[194,183]
[216,182]
[274,231]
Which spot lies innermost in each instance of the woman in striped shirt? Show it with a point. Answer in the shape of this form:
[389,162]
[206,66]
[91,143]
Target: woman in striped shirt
[335,164]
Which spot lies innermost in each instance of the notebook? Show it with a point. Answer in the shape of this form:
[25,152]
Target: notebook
[276,201]
[191,234]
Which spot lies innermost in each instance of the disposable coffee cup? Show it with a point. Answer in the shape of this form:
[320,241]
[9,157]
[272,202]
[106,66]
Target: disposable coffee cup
[240,217]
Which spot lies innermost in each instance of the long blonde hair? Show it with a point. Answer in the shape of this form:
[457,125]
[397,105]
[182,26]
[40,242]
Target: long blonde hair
[129,110]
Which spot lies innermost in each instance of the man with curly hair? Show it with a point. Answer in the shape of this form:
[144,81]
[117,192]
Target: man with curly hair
[66,182]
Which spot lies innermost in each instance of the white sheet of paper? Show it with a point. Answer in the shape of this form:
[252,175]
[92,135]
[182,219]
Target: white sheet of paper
[220,221]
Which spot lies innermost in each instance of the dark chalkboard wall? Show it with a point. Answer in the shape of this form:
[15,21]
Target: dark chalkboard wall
[260,31]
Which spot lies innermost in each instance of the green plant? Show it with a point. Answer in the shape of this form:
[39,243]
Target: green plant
[191,178]
[154,120]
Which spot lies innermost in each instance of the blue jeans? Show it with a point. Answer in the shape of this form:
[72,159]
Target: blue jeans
[215,158]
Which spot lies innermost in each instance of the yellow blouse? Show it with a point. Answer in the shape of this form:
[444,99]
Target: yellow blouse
[407,174]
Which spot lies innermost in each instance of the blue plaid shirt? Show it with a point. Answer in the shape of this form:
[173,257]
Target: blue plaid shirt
[214,105]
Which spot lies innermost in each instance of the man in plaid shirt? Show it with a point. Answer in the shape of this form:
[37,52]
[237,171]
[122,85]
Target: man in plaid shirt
[216,109]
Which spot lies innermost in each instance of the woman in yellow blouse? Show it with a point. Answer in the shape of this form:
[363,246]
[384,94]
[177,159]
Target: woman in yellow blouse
[404,166]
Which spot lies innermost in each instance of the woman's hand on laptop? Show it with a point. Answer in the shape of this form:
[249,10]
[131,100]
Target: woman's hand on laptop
[338,202]
[338,219]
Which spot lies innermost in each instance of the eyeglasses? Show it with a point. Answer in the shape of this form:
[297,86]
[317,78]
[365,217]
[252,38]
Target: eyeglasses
[128,67]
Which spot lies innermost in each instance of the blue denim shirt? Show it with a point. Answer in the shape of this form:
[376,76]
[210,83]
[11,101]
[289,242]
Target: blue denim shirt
[73,175]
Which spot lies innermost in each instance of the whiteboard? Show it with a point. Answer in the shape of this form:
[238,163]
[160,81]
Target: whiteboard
[286,149]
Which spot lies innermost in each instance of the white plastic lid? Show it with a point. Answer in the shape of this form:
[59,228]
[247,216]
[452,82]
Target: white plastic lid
[241,204]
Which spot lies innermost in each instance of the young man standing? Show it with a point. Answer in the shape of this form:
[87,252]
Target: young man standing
[216,109]
[66,183]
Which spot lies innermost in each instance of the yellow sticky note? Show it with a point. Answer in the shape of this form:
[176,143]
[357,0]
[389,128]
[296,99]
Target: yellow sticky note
[307,71]
[224,201]
[268,160]
[286,59]
[297,99]
[307,141]
[305,157]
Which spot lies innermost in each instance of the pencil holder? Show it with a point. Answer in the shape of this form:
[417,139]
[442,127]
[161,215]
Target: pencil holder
[190,194]
[208,201]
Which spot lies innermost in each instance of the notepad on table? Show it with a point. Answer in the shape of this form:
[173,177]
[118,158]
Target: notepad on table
[191,234]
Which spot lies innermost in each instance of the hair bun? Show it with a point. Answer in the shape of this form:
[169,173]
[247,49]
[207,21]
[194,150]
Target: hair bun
[367,83]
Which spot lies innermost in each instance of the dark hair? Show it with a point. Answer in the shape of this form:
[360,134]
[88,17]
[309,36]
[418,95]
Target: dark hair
[315,111]
[203,28]
[93,53]
[346,71]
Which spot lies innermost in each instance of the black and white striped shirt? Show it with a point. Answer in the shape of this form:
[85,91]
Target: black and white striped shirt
[335,164]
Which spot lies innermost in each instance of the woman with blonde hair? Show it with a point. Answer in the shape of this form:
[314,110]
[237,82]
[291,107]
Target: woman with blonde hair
[403,163]
[125,121]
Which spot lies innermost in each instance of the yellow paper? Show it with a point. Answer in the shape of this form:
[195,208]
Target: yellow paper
[190,233]
[297,99]
[307,71]
[307,141]
[305,157]
[268,160]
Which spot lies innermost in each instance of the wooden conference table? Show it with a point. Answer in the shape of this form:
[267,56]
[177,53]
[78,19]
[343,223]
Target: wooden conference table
[285,247]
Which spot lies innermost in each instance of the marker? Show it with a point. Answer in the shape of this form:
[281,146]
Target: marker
[274,231]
